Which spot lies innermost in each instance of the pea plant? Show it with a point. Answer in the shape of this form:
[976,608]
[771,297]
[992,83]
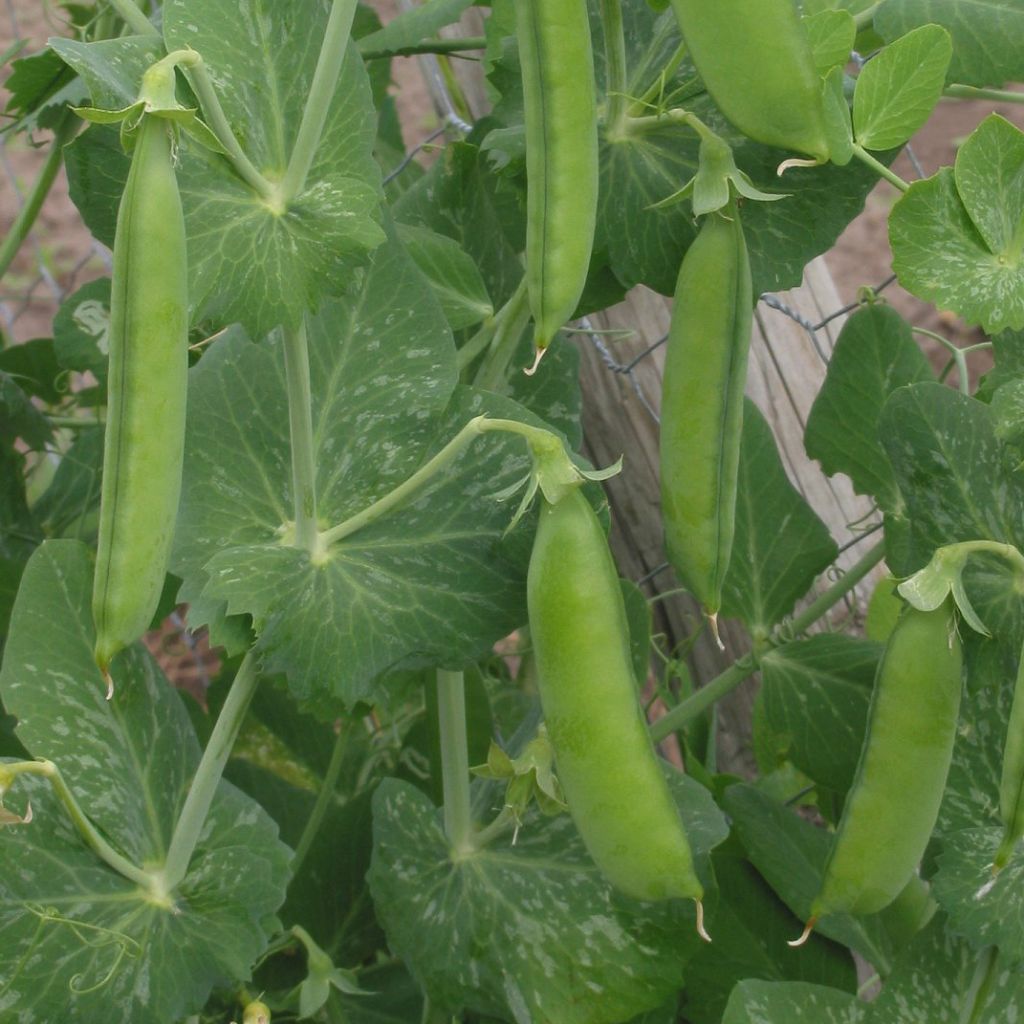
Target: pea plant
[424,784]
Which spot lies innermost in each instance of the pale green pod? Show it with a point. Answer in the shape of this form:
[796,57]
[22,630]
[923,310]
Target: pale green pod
[145,433]
[1011,787]
[561,157]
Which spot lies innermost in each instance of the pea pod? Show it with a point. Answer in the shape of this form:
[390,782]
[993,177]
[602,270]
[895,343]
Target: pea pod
[702,405]
[613,784]
[561,157]
[1011,787]
[144,443]
[893,805]
[756,62]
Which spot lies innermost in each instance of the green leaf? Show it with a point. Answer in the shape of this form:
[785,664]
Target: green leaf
[39,89]
[432,582]
[65,507]
[939,255]
[875,354]
[81,328]
[790,854]
[817,692]
[838,123]
[248,261]
[81,943]
[985,33]
[111,68]
[414,25]
[780,544]
[752,928]
[766,1002]
[956,479]
[33,365]
[936,978]
[530,931]
[990,182]
[831,34]
[898,89]
[985,911]
[453,275]
[19,418]
[639,617]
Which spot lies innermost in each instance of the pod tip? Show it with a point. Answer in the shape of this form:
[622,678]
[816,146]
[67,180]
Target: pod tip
[701,930]
[538,356]
[808,928]
[108,679]
[713,623]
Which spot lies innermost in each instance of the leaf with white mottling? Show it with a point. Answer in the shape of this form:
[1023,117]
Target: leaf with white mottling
[81,943]
[939,256]
[789,1002]
[531,932]
[936,980]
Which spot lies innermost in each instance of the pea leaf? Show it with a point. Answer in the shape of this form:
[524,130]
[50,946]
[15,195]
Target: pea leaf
[898,89]
[248,261]
[790,854]
[532,930]
[781,1002]
[957,481]
[958,237]
[985,35]
[874,355]
[81,943]
[817,692]
[937,977]
[831,34]
[433,582]
[780,544]
[414,25]
[81,329]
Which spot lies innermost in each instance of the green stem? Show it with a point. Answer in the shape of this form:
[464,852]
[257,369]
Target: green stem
[879,168]
[652,122]
[64,132]
[615,63]
[970,92]
[866,17]
[451,707]
[511,322]
[501,824]
[958,355]
[199,79]
[323,801]
[208,774]
[428,46]
[85,828]
[318,102]
[75,422]
[405,490]
[725,683]
[977,995]
[481,340]
[130,14]
[300,420]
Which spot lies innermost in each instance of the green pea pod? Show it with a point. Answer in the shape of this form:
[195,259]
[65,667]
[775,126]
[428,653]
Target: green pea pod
[145,435]
[702,405]
[1011,788]
[893,805]
[561,157]
[756,62]
[609,772]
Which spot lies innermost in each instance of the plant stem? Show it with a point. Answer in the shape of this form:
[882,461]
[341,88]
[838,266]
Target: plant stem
[480,341]
[64,132]
[866,17]
[405,490]
[208,774]
[451,708]
[651,122]
[323,801]
[85,828]
[428,46]
[728,680]
[615,63]
[318,102]
[656,89]
[130,14]
[501,824]
[199,79]
[75,422]
[958,355]
[511,321]
[977,995]
[879,168]
[970,92]
[300,420]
